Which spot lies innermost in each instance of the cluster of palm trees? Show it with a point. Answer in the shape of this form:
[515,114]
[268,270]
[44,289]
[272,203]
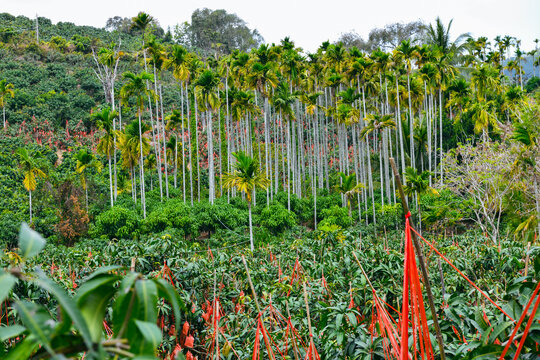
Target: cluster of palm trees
[302,117]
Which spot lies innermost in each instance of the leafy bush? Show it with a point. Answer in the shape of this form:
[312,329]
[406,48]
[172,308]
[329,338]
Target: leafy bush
[117,222]
[276,218]
[532,84]
[336,215]
[221,215]
[390,216]
[9,229]
[173,214]
[47,333]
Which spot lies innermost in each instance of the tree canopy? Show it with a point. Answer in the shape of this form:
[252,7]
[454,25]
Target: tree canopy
[216,31]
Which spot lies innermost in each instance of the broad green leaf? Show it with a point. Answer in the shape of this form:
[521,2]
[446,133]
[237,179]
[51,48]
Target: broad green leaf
[339,320]
[68,305]
[92,299]
[167,292]
[36,319]
[6,284]
[150,331]
[491,351]
[499,328]
[24,349]
[102,270]
[352,318]
[30,242]
[8,332]
[147,300]
[485,335]
[122,302]
[340,337]
[145,310]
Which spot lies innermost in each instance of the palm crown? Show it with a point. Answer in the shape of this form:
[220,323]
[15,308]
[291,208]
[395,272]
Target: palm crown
[246,176]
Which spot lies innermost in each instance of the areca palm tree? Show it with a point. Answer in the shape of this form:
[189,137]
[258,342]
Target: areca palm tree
[151,163]
[178,60]
[527,134]
[246,177]
[31,170]
[141,22]
[439,36]
[460,96]
[446,73]
[260,75]
[349,187]
[107,143]
[206,91]
[482,115]
[335,56]
[243,103]
[136,87]
[157,59]
[86,161]
[376,123]
[406,53]
[417,185]
[6,89]
[283,100]
[131,143]
[175,121]
[172,153]
[514,99]
[485,79]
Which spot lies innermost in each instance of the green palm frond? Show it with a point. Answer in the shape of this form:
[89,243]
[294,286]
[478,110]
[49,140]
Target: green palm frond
[246,175]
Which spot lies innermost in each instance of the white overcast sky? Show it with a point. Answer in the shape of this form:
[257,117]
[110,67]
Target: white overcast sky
[308,23]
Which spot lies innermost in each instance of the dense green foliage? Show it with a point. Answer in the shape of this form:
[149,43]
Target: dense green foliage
[133,148]
[338,297]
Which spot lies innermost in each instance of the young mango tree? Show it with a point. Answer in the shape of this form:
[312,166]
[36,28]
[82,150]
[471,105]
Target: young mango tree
[246,177]
[77,327]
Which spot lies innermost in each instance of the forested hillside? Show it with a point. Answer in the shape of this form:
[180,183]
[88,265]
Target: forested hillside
[173,152]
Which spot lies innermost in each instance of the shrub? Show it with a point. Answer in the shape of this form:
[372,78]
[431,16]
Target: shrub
[173,214]
[218,216]
[73,222]
[276,218]
[390,216]
[532,84]
[117,222]
[9,228]
[336,215]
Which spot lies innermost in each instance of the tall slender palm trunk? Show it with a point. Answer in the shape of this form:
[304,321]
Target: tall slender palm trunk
[250,228]
[110,179]
[30,201]
[165,162]
[411,121]
[441,135]
[141,165]
[210,142]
